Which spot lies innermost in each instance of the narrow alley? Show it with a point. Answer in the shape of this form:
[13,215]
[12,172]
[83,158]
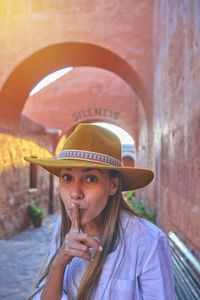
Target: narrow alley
[21,257]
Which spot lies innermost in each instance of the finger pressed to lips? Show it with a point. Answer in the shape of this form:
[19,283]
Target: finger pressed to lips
[75,218]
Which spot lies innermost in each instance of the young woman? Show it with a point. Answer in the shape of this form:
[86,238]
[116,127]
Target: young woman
[101,249]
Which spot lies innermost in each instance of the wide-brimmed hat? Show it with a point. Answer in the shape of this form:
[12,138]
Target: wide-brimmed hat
[92,146]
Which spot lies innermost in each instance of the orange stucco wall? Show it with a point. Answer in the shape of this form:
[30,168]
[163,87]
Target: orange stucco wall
[145,65]
[78,34]
[176,118]
[15,190]
[90,35]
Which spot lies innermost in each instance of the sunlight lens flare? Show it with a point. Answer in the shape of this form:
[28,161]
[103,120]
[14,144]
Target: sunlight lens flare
[49,79]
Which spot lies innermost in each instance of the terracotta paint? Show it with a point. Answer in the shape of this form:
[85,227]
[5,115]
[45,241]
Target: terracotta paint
[136,65]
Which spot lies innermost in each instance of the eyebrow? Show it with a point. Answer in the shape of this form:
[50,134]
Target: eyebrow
[91,169]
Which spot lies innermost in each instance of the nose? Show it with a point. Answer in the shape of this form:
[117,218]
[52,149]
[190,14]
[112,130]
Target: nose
[77,192]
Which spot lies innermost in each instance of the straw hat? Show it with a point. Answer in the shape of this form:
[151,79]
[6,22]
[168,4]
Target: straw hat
[92,146]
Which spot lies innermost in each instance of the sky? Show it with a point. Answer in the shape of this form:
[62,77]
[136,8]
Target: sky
[125,138]
[49,79]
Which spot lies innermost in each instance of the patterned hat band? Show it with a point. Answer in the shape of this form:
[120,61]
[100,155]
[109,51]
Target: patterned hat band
[89,156]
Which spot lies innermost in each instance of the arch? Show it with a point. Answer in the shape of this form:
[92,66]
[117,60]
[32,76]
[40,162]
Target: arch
[85,95]
[29,72]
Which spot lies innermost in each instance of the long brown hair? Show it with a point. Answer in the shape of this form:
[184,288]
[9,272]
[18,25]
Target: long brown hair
[109,235]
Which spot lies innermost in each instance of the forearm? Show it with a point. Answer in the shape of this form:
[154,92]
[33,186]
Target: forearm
[54,284]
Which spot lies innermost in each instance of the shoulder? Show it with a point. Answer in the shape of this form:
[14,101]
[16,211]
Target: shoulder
[145,242]
[140,231]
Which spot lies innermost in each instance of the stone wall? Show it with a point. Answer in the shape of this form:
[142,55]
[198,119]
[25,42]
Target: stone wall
[176,118]
[154,47]
[15,191]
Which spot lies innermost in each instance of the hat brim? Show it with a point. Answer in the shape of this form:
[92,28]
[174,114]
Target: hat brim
[132,178]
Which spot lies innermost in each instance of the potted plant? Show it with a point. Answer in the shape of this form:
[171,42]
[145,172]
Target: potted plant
[141,206]
[36,215]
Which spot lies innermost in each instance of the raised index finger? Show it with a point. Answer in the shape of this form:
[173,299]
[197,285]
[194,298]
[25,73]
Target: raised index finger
[75,218]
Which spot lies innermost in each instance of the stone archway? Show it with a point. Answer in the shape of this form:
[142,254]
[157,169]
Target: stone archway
[86,94]
[25,76]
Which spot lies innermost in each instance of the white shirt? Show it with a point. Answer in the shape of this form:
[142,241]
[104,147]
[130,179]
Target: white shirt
[140,269]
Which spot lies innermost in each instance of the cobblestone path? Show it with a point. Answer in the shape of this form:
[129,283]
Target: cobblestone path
[20,259]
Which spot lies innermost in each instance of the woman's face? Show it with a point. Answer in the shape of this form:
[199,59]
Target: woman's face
[89,189]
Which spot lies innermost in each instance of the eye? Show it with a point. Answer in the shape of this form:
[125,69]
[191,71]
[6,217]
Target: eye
[91,179]
[67,177]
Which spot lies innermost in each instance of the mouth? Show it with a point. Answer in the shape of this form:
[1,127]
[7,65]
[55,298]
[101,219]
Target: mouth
[81,210]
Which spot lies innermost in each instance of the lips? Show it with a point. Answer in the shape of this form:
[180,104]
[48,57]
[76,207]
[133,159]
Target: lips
[81,210]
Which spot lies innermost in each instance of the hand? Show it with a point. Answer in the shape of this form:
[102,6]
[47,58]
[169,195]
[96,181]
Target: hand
[76,243]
